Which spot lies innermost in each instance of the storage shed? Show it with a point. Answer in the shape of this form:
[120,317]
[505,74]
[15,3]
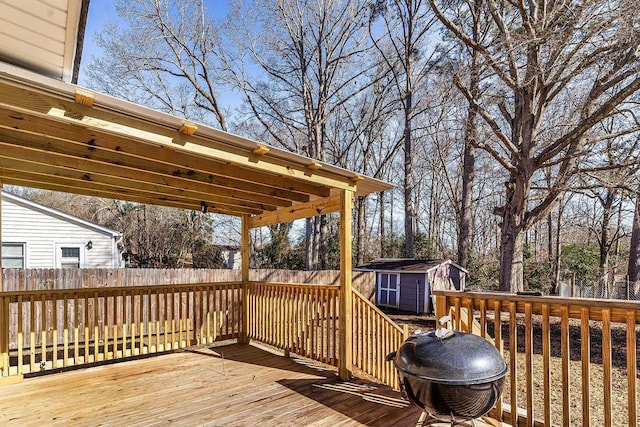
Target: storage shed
[406,284]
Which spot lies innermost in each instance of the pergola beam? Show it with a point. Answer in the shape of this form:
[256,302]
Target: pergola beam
[87,141]
[299,211]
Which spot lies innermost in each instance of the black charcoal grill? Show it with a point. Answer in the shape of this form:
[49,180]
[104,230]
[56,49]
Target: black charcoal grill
[448,373]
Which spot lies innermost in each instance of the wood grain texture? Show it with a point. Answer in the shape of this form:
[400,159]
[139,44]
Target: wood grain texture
[231,385]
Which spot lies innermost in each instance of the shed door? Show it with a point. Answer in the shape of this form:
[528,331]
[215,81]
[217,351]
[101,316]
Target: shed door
[389,289]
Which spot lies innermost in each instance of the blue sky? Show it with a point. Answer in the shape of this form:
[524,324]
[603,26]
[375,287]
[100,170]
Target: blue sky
[103,11]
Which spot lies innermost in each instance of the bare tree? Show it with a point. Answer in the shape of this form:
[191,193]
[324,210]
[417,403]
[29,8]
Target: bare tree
[163,55]
[559,69]
[311,61]
[408,54]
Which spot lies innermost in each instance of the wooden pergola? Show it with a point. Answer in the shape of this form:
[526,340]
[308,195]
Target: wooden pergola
[60,137]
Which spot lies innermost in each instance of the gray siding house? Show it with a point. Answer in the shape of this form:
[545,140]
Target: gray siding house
[406,284]
[37,236]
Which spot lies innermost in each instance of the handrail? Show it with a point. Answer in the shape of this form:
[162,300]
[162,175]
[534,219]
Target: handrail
[375,335]
[516,316]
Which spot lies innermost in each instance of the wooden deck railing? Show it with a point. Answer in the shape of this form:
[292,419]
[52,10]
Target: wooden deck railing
[541,376]
[301,319]
[375,336]
[55,329]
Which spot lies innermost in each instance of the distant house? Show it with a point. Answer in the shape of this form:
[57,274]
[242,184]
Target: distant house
[406,284]
[37,236]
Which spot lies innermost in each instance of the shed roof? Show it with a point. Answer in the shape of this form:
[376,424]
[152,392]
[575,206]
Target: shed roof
[406,265]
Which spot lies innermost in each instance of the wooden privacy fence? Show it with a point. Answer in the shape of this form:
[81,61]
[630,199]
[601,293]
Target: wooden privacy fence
[541,334]
[18,279]
[37,279]
[59,328]
[375,336]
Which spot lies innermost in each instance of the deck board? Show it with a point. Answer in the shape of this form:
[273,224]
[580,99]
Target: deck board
[232,385]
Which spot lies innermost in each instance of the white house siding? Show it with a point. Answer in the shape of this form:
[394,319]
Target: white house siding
[44,233]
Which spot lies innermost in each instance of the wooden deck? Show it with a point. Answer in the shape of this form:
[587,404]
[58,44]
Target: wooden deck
[231,385]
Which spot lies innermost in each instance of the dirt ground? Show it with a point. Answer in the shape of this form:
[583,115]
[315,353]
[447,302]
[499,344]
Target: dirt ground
[596,403]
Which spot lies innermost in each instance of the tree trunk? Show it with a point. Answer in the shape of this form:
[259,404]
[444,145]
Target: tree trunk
[360,229]
[409,214]
[311,244]
[383,235]
[468,175]
[512,235]
[469,157]
[605,244]
[555,280]
[324,242]
[634,253]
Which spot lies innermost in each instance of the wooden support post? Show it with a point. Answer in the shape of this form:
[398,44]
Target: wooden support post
[244,335]
[346,295]
[4,314]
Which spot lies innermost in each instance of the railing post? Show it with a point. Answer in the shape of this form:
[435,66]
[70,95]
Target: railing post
[442,308]
[346,295]
[244,334]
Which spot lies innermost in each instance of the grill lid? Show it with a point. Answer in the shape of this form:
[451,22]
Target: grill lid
[456,358]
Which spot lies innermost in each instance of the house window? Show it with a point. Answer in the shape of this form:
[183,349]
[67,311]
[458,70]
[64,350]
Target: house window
[389,289]
[13,255]
[69,257]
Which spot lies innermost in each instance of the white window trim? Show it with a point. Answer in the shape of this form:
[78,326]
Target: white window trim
[387,288]
[83,253]
[24,252]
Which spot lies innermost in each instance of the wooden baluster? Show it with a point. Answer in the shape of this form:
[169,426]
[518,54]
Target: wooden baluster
[529,361]
[105,317]
[116,318]
[32,334]
[65,331]
[96,327]
[171,312]
[43,330]
[86,337]
[585,355]
[226,320]
[632,372]
[20,337]
[4,335]
[124,298]
[513,357]
[497,322]
[546,364]
[148,320]
[606,365]
[564,344]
